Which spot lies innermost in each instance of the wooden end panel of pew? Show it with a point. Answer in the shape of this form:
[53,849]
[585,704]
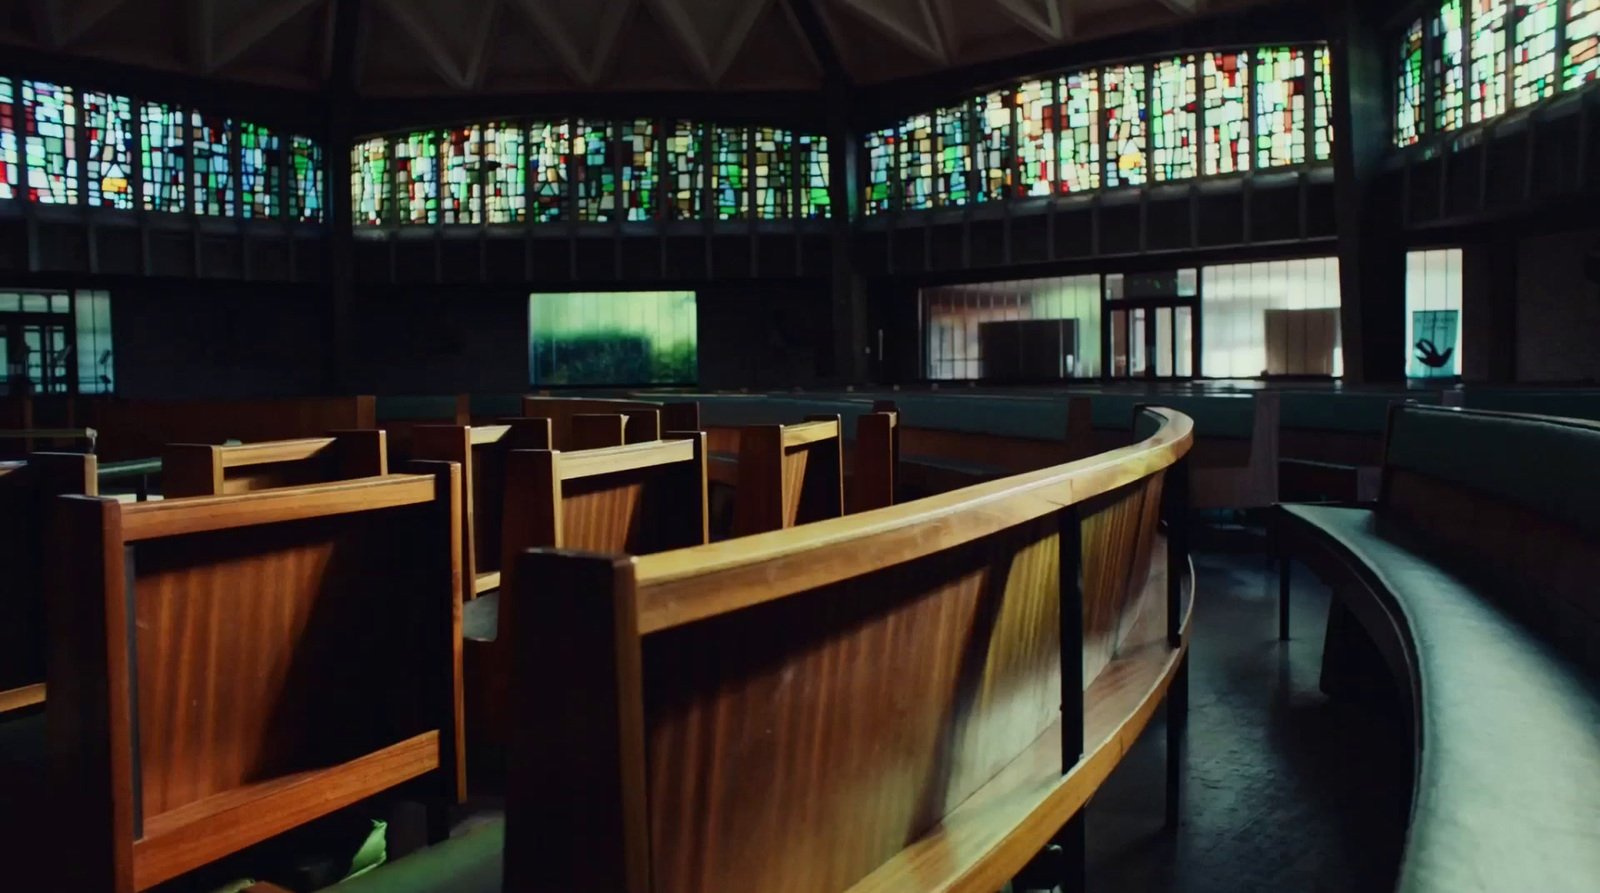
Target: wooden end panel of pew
[875,673]
[789,475]
[594,431]
[139,429]
[312,661]
[207,470]
[876,463]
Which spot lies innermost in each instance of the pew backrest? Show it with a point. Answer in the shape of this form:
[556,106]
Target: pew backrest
[139,429]
[789,475]
[195,469]
[875,465]
[481,451]
[224,669]
[792,710]
[645,421]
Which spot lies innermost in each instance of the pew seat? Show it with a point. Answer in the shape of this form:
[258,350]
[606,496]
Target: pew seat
[1491,638]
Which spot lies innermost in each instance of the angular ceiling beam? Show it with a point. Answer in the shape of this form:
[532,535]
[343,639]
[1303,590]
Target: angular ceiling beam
[925,44]
[1053,26]
[45,27]
[438,57]
[681,24]
[1183,7]
[478,64]
[556,38]
[808,20]
[616,15]
[201,21]
[733,41]
[257,28]
[77,20]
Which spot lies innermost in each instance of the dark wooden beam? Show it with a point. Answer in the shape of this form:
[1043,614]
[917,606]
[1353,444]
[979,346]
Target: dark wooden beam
[340,105]
[816,34]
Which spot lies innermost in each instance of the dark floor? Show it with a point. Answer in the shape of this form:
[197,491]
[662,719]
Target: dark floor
[1283,790]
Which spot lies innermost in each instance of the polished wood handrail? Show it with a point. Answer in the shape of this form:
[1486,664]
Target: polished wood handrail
[691,584]
[148,520]
[610,460]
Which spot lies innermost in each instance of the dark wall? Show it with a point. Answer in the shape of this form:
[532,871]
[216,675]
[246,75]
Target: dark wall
[764,335]
[205,340]
[439,342]
[1558,309]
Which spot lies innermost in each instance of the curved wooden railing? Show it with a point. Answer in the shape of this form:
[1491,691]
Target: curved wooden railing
[872,703]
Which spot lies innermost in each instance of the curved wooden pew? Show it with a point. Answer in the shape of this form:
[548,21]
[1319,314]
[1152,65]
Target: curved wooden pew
[195,469]
[28,492]
[642,427]
[481,451]
[1473,577]
[224,669]
[871,703]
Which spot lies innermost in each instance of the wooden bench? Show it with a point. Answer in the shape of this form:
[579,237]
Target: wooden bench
[638,498]
[789,475]
[595,431]
[224,669]
[642,427]
[400,415]
[19,442]
[140,429]
[1471,580]
[481,452]
[28,492]
[911,699]
[195,469]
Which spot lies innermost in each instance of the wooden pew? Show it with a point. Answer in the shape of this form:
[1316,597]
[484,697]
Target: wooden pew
[875,459]
[1224,480]
[196,469]
[789,475]
[481,452]
[938,457]
[400,415]
[872,703]
[139,429]
[16,443]
[642,428]
[639,498]
[594,431]
[312,661]
[28,492]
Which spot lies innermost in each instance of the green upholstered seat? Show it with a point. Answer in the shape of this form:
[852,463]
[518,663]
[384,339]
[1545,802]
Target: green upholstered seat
[470,863]
[1508,781]
[1344,411]
[480,618]
[1572,403]
[416,408]
[1034,418]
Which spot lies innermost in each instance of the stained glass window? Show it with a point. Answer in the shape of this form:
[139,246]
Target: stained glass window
[1448,37]
[1281,88]
[1126,164]
[369,181]
[1583,43]
[916,163]
[729,170]
[416,177]
[774,173]
[637,141]
[1175,154]
[995,150]
[50,142]
[1533,61]
[212,164]
[108,170]
[815,199]
[1225,84]
[952,144]
[880,170]
[1322,110]
[1486,96]
[550,141]
[596,177]
[260,171]
[686,198]
[505,176]
[1080,132]
[1408,125]
[306,179]
[10,169]
[1036,138]
[162,158]
[461,187]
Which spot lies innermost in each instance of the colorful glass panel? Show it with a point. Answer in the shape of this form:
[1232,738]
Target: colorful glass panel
[416,177]
[1080,132]
[1486,92]
[369,181]
[505,176]
[108,169]
[212,165]
[880,170]
[1322,109]
[550,142]
[637,142]
[162,158]
[50,142]
[260,172]
[1533,60]
[10,166]
[1280,125]
[462,187]
[596,176]
[1036,138]
[1225,85]
[996,152]
[816,200]
[1126,162]
[1447,35]
[730,161]
[916,163]
[1174,151]
[952,144]
[1582,63]
[685,151]
[774,173]
[1408,124]
[306,180]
